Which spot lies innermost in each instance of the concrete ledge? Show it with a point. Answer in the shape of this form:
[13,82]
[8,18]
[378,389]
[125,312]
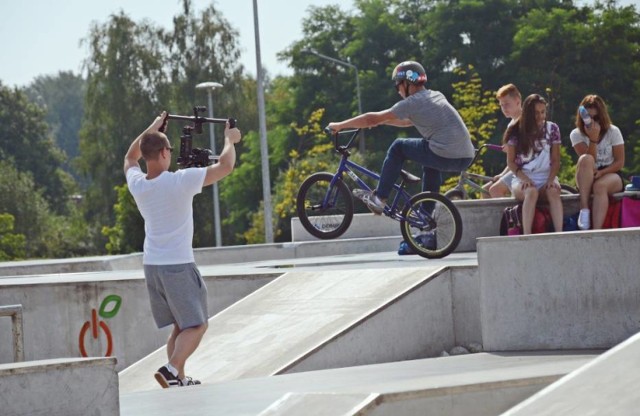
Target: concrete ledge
[559,290]
[56,308]
[608,385]
[60,387]
[480,218]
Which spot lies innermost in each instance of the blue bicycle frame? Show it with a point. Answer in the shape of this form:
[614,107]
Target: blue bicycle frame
[401,198]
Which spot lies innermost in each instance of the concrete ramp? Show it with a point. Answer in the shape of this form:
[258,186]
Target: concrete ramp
[608,385]
[321,404]
[475,384]
[314,320]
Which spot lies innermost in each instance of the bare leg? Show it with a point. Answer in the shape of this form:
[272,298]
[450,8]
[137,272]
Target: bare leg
[555,207]
[498,190]
[171,342]
[487,190]
[185,344]
[602,188]
[529,197]
[584,178]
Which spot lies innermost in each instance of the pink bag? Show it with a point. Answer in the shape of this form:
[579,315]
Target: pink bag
[630,216]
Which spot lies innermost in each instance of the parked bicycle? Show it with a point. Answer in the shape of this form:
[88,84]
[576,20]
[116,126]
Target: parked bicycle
[476,181]
[429,222]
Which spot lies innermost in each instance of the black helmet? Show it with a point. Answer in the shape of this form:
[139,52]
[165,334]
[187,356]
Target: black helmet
[410,71]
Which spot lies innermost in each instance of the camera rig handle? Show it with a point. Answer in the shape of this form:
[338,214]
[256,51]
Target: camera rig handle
[197,120]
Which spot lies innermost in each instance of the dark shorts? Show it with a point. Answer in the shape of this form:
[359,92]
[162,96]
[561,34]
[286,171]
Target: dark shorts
[177,294]
[619,173]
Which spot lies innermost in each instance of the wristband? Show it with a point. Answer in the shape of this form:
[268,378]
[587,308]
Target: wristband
[593,142]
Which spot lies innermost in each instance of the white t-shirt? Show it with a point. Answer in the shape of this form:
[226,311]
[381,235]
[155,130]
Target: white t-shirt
[604,149]
[166,204]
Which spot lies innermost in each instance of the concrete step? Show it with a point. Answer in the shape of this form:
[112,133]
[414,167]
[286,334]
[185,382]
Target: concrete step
[61,387]
[479,384]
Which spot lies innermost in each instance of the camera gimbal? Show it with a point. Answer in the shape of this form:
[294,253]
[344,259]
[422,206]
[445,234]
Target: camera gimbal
[195,157]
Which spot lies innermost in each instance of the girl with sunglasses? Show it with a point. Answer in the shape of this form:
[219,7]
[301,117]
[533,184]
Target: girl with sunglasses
[600,149]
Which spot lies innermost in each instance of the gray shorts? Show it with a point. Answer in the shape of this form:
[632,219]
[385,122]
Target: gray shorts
[177,294]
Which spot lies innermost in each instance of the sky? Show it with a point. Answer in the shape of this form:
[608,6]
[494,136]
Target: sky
[41,37]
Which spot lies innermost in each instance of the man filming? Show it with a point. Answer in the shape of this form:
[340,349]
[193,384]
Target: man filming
[177,293]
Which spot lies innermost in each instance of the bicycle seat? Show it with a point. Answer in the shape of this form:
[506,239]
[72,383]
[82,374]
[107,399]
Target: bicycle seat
[408,177]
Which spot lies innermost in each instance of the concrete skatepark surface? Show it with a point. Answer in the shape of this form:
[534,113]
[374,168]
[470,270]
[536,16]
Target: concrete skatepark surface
[437,377]
[278,325]
[486,383]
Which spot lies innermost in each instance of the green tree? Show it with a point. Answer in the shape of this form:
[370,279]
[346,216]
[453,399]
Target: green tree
[124,88]
[47,234]
[62,99]
[127,235]
[25,140]
[12,246]
[578,51]
[478,108]
[318,158]
[135,70]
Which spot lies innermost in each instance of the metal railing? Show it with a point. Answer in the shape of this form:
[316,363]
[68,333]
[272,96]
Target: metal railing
[15,312]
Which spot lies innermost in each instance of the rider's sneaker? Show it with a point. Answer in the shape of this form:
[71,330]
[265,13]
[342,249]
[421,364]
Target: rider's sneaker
[166,379]
[584,219]
[372,202]
[188,381]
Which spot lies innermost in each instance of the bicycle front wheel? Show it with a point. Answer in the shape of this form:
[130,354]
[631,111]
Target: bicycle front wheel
[431,225]
[325,211]
[568,189]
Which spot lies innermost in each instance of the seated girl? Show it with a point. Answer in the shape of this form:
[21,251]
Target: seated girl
[533,155]
[600,150]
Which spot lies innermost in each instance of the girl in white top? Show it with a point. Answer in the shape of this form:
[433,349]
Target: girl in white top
[600,148]
[533,155]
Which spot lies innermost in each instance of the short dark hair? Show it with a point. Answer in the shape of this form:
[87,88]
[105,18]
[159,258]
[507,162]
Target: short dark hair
[152,143]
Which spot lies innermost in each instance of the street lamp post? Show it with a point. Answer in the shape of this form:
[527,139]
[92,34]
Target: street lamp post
[262,120]
[355,69]
[210,87]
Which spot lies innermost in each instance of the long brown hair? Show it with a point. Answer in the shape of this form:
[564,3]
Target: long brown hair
[596,102]
[526,129]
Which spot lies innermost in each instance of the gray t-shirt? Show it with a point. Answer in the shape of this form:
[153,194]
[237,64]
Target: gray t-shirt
[438,122]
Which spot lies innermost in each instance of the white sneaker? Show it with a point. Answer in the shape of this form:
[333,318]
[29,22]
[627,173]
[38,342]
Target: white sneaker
[371,201]
[584,219]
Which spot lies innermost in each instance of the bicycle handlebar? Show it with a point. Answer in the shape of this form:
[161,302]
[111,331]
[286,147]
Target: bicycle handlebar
[335,134]
[492,146]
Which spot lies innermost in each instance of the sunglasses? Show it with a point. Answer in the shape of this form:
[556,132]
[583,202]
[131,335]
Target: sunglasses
[170,149]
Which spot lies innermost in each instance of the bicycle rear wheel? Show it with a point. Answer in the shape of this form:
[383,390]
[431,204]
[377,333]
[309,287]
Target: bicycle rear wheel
[324,211]
[567,189]
[454,194]
[431,225]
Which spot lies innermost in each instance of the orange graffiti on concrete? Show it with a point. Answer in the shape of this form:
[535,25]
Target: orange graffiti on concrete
[96,325]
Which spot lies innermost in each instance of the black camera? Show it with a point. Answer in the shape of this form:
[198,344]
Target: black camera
[195,157]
